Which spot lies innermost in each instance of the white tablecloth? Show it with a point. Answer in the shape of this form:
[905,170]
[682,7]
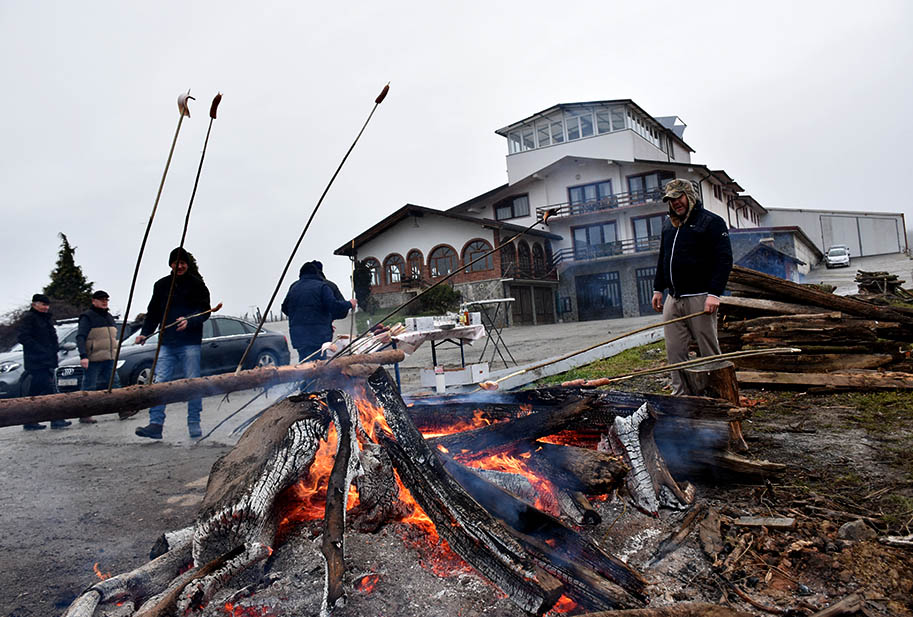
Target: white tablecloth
[410,341]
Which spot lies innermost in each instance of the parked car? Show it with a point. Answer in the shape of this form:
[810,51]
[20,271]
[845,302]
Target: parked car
[837,256]
[224,342]
[13,382]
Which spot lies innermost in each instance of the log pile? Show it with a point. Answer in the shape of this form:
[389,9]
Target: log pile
[491,519]
[846,342]
[881,287]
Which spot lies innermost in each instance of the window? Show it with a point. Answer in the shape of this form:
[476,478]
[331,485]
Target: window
[648,187]
[595,241]
[603,124]
[557,132]
[543,134]
[514,140]
[374,266]
[508,259]
[579,123]
[529,142]
[474,250]
[416,261]
[443,261]
[618,118]
[647,231]
[718,192]
[595,193]
[538,260]
[525,258]
[229,327]
[394,267]
[512,207]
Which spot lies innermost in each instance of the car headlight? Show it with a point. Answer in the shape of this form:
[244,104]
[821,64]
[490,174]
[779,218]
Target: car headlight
[120,363]
[6,367]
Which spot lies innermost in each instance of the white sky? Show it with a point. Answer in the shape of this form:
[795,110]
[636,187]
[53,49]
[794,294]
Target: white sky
[805,104]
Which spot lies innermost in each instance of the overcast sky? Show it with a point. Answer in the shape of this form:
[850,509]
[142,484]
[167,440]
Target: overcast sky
[805,104]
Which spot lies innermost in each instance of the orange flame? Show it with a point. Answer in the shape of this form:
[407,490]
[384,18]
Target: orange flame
[563,605]
[525,410]
[367,583]
[101,575]
[546,492]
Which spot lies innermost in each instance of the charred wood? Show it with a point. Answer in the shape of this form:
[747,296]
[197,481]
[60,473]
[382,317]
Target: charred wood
[684,609]
[579,469]
[677,537]
[378,493]
[468,528]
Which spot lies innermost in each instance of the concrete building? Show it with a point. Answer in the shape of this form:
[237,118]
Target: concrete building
[865,233]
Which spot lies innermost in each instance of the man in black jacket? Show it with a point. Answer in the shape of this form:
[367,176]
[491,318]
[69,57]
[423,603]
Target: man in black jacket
[311,307]
[695,259]
[96,340]
[180,353]
[39,348]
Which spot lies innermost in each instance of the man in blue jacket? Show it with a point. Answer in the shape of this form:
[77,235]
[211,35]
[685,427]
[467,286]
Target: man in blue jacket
[180,352]
[695,258]
[311,307]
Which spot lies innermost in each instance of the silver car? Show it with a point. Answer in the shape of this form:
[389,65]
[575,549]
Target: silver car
[837,256]
[12,372]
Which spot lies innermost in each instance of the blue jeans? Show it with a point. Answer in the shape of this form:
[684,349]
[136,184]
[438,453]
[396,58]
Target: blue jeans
[98,374]
[178,362]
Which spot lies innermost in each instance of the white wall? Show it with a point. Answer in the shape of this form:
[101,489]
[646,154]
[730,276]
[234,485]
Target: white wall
[618,145]
[431,231]
[866,233]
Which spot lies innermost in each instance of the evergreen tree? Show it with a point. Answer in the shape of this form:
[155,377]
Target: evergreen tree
[68,284]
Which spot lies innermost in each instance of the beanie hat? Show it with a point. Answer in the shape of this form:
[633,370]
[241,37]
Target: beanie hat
[41,298]
[178,254]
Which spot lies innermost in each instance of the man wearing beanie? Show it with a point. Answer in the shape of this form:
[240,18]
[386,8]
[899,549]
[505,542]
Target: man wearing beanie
[311,307]
[39,348]
[695,259]
[180,353]
[96,340]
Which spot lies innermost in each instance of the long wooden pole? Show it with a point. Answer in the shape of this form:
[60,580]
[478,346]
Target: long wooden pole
[184,111]
[174,272]
[377,101]
[80,404]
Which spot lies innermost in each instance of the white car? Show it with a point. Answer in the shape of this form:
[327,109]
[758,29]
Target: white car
[837,256]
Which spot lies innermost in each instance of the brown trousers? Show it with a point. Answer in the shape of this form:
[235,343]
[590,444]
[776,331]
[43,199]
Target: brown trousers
[679,335]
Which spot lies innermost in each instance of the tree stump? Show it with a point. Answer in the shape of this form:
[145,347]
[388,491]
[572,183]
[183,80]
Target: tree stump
[718,380]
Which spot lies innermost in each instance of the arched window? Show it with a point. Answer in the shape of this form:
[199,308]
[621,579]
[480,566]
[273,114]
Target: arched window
[524,258]
[394,268]
[474,250]
[538,260]
[416,261]
[508,260]
[442,261]
[374,266]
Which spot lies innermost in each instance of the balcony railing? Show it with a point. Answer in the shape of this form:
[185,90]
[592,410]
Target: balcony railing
[546,273]
[619,200]
[609,249]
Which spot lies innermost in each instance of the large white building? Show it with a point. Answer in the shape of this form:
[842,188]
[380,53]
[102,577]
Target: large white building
[602,165]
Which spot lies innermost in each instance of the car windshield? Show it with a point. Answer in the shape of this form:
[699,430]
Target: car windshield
[836,253]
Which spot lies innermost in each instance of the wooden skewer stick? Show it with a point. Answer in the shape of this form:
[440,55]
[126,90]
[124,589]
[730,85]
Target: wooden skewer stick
[377,101]
[214,309]
[183,110]
[493,385]
[680,365]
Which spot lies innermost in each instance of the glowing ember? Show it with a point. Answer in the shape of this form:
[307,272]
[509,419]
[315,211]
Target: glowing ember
[367,583]
[101,575]
[248,611]
[478,421]
[525,410]
[573,438]
[563,605]
[546,492]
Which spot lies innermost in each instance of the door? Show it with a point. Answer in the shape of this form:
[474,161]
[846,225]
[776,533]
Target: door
[545,305]
[645,278]
[212,349]
[598,296]
[523,305]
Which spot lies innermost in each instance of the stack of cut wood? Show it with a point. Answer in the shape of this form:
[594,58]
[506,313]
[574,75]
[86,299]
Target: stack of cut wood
[880,286]
[843,340]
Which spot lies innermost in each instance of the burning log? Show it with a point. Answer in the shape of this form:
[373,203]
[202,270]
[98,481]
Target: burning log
[580,469]
[345,466]
[378,493]
[649,483]
[468,528]
[592,577]
[80,404]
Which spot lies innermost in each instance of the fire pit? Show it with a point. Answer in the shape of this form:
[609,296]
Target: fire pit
[350,501]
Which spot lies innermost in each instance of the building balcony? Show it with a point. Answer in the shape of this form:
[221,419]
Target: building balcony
[545,272]
[606,204]
[630,246]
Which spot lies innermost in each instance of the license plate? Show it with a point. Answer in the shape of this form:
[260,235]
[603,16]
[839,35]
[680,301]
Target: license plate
[67,382]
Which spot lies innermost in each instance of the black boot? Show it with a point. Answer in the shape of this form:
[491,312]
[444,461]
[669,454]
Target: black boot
[34,427]
[152,431]
[60,423]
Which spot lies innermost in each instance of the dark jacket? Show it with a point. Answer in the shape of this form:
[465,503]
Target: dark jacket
[39,341]
[96,337]
[190,297]
[311,308]
[696,257]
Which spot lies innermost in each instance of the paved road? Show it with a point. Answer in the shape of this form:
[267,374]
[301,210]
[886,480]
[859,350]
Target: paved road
[844,278]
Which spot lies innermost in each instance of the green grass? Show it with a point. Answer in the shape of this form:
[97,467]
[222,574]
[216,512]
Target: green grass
[628,361]
[881,413]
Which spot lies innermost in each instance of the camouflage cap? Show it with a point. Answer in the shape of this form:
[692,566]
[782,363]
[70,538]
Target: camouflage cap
[678,187]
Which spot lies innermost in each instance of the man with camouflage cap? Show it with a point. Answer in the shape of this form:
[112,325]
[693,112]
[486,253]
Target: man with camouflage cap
[695,259]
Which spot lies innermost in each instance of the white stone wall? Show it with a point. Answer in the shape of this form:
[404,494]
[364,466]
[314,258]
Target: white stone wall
[424,233]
